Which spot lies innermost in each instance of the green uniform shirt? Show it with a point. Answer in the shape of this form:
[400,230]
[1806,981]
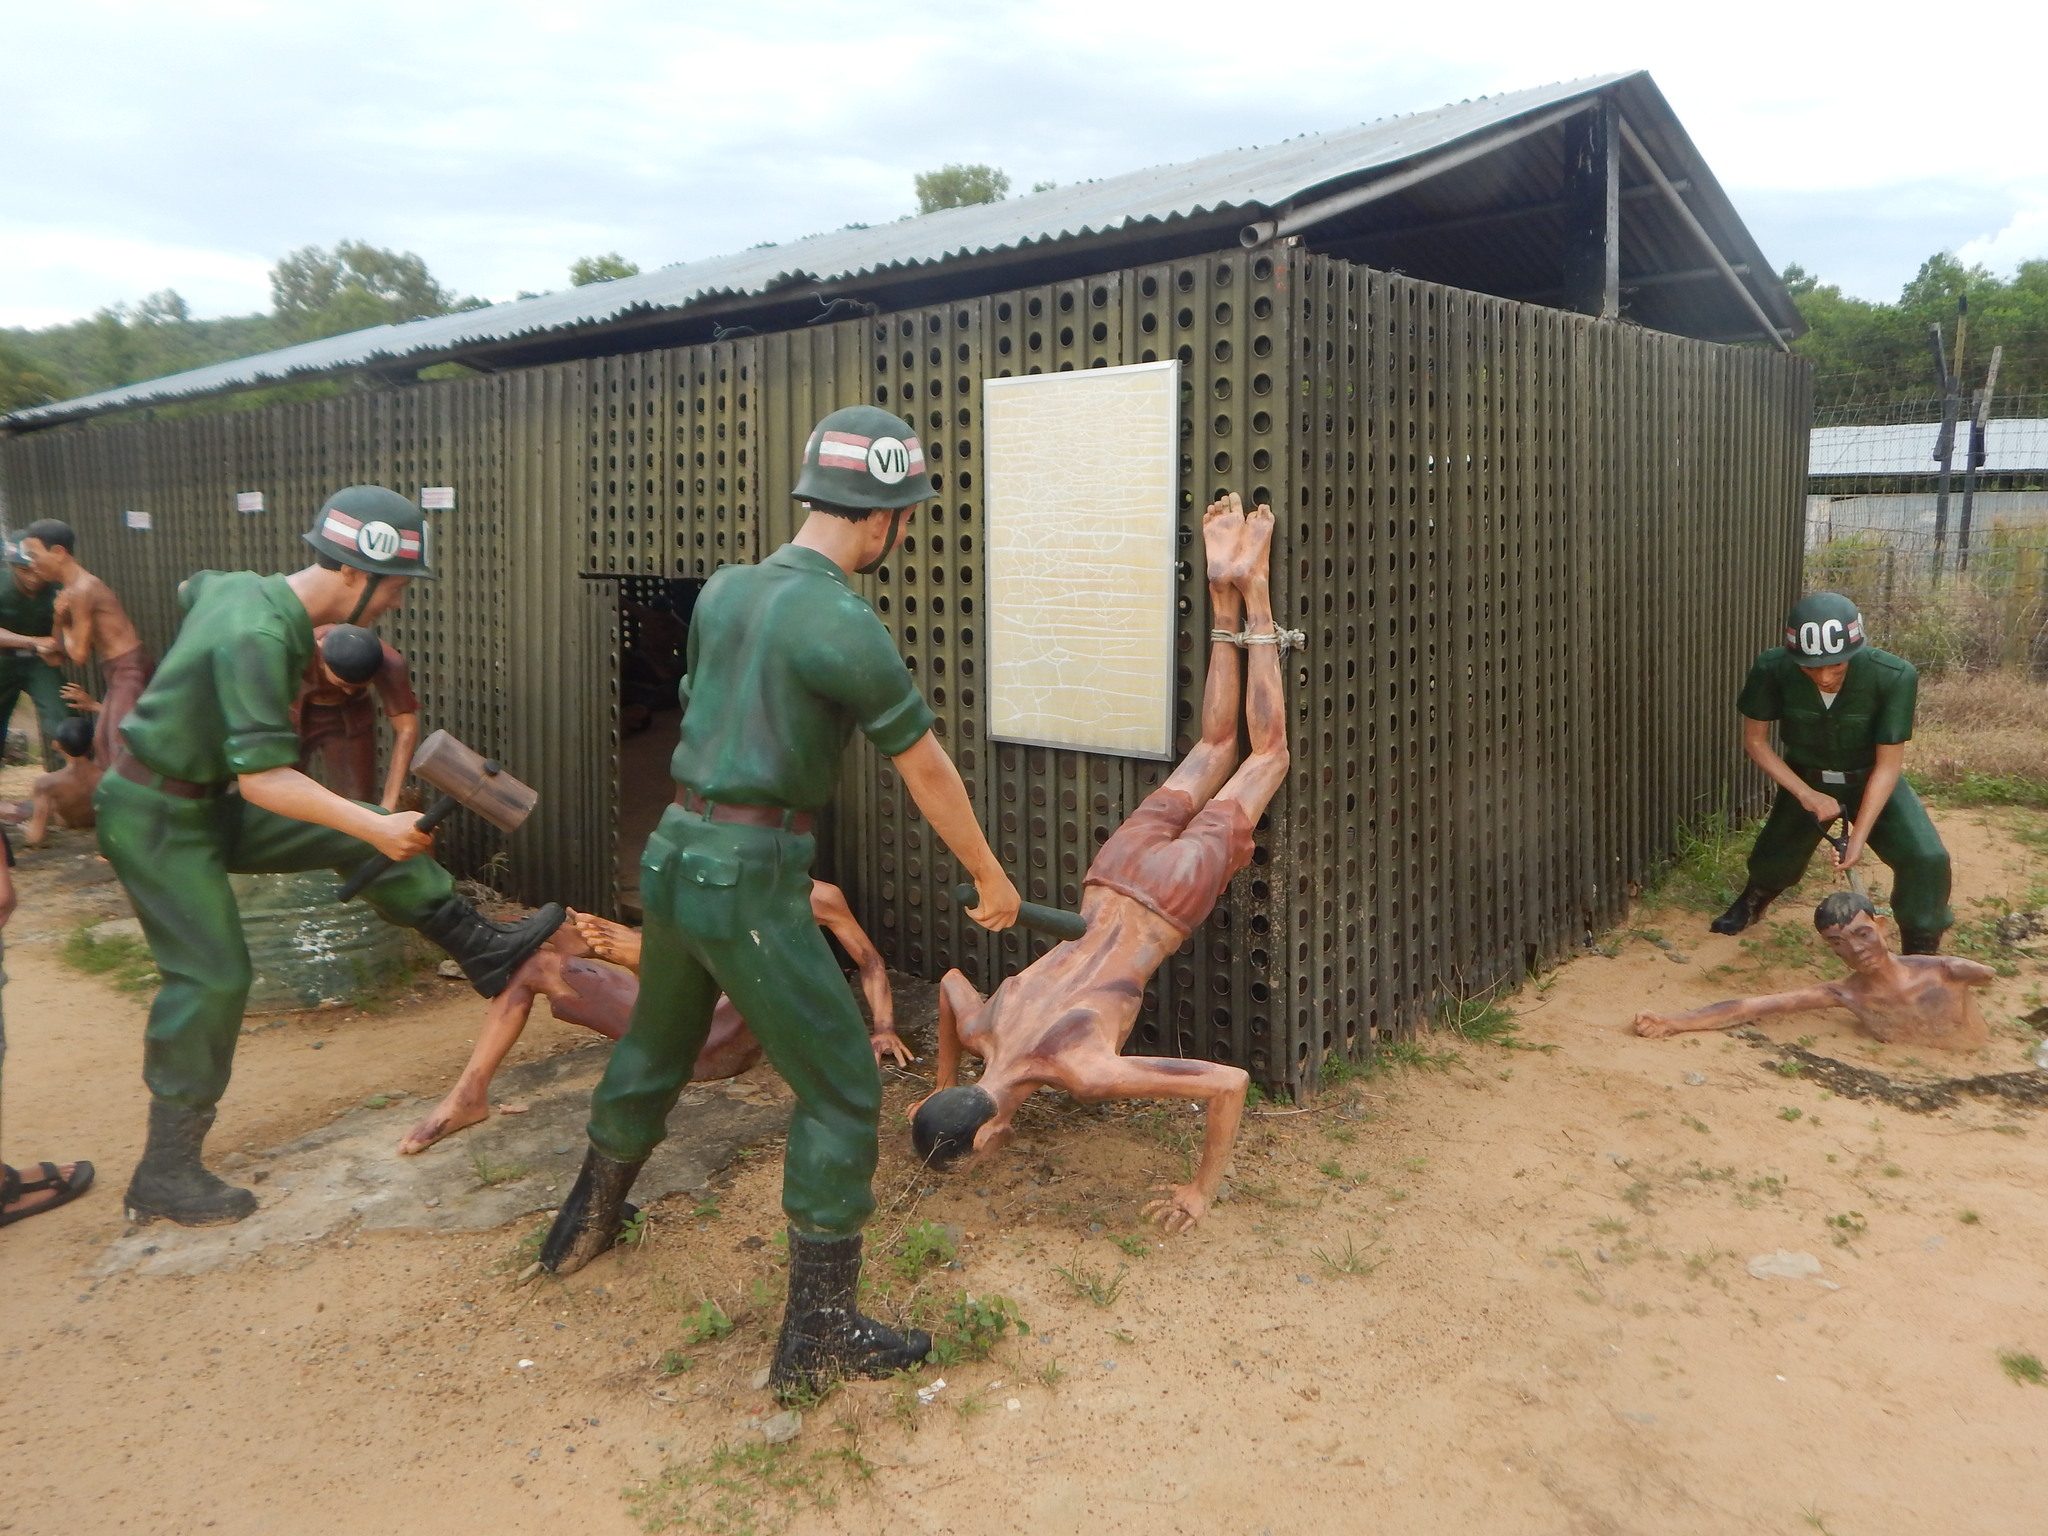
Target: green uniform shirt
[27,615]
[1874,708]
[221,701]
[785,660]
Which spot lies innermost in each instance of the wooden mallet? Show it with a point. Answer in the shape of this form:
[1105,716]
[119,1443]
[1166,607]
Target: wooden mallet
[465,779]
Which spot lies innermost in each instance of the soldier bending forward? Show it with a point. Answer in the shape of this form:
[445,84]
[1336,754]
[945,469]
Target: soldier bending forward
[1061,1022]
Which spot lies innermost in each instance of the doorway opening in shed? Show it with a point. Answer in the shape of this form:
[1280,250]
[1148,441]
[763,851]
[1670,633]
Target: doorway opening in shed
[654,627]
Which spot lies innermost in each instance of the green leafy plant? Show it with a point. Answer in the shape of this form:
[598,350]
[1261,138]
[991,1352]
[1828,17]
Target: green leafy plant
[1846,1225]
[1133,1244]
[633,1232]
[707,1324]
[673,1362]
[924,1245]
[1348,1260]
[2024,1367]
[973,1326]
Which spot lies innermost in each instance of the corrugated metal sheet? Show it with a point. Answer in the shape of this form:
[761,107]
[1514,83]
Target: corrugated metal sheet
[2010,447]
[1248,182]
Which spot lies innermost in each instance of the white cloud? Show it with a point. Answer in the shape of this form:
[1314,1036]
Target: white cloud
[2024,237]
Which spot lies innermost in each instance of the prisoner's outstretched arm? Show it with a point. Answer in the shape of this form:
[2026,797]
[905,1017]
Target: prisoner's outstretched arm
[1971,973]
[830,911]
[1221,1088]
[1756,741]
[934,783]
[289,792]
[1657,1026]
[405,735]
[39,821]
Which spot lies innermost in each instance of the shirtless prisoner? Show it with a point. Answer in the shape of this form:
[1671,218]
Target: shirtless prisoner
[90,622]
[1061,1022]
[67,793]
[1899,999]
[600,998]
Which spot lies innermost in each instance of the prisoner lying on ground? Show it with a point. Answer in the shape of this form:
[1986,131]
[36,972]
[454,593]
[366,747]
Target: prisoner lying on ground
[1061,1022]
[1899,999]
[600,998]
[67,793]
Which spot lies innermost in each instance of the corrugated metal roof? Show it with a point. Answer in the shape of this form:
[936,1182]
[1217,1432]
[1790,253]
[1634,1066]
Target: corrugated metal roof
[1255,182]
[2010,447]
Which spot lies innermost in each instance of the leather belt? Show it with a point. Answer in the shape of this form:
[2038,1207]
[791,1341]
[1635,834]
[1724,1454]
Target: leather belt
[775,816]
[1832,778]
[136,772]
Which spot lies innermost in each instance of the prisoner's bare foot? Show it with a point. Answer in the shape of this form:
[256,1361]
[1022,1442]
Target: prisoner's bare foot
[609,940]
[457,1112]
[1178,1209]
[1222,534]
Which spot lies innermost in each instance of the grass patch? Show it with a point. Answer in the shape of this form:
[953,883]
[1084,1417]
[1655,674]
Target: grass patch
[972,1327]
[1093,1285]
[923,1246]
[1709,864]
[707,1324]
[121,960]
[751,1490]
[490,1172]
[2024,1367]
[1348,1260]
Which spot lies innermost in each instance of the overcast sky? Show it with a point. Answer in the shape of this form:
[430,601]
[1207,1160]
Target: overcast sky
[175,144]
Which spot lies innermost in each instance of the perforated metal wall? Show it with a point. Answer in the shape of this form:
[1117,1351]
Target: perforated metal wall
[1532,554]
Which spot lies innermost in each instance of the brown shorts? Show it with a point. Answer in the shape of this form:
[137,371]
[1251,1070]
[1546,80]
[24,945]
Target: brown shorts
[123,677]
[1174,859]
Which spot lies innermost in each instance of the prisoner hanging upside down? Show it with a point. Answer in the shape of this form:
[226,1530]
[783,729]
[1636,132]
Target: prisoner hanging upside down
[1844,711]
[205,785]
[785,660]
[601,998]
[1061,1022]
[1899,999]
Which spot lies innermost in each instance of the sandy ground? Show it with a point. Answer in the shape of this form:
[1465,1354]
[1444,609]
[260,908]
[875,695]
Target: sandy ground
[1550,1327]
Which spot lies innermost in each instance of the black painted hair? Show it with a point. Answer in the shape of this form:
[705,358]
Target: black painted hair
[851,514]
[1838,909]
[944,1125]
[53,534]
[74,736]
[352,653]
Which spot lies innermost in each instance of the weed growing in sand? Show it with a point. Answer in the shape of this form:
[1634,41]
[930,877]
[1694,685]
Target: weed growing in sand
[1133,1244]
[707,1324]
[751,1490]
[634,1231]
[1348,1260]
[1788,1113]
[1709,866]
[1968,1218]
[1700,1263]
[973,1326]
[2024,1367]
[1175,1132]
[673,1362]
[1389,1054]
[1845,1225]
[1092,1285]
[1637,1195]
[1811,1514]
[123,961]
[489,1171]
[1484,1021]
[924,1245]
[1051,1374]
[1764,1185]
[1611,1226]
[1694,1123]
[705,1209]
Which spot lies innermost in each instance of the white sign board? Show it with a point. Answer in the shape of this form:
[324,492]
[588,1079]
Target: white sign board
[1081,474]
[248,501]
[141,520]
[437,498]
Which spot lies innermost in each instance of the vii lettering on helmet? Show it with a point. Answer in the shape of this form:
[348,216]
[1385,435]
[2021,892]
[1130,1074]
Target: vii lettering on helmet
[889,459]
[376,540]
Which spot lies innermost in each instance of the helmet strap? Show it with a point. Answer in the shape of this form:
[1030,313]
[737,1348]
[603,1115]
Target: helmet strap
[369,591]
[895,526]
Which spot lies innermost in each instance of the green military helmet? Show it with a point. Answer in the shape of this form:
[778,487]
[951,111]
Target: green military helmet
[11,552]
[374,530]
[1823,630]
[864,459]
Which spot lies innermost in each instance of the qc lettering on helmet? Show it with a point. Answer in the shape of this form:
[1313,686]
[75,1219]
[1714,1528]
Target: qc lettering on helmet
[1826,638]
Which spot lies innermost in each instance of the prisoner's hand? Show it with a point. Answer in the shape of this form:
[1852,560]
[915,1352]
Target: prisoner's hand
[396,837]
[1178,1209]
[1655,1026]
[78,698]
[999,901]
[890,1049]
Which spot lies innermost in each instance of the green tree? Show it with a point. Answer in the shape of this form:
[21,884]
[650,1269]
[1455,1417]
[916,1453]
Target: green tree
[585,270]
[356,285]
[958,186]
[24,380]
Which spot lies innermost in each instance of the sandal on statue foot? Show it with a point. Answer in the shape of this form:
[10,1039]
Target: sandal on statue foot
[13,1187]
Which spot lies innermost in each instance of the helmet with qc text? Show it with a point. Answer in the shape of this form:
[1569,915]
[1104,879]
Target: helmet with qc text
[864,459]
[374,530]
[1823,630]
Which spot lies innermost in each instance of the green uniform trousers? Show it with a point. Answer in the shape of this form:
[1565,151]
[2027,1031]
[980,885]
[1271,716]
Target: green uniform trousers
[174,857]
[1903,837]
[27,674]
[728,908]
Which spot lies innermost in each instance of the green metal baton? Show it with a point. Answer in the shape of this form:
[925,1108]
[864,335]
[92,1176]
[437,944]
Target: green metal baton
[1057,921]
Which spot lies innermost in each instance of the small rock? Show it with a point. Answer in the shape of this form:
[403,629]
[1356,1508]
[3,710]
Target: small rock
[925,1395]
[782,1428]
[759,1379]
[513,1109]
[1013,1405]
[526,1365]
[1603,1255]
[1785,1266]
[431,1202]
[1695,1079]
[117,928]
[449,969]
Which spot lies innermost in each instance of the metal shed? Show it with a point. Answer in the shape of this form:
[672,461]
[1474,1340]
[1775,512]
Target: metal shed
[1525,543]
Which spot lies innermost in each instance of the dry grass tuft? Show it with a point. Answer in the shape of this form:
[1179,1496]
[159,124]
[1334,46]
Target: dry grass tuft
[1982,736]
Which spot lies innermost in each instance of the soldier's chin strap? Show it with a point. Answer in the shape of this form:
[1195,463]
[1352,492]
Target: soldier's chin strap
[369,591]
[895,527]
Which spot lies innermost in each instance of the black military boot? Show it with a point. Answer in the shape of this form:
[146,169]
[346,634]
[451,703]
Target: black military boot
[173,1183]
[1748,907]
[489,952]
[824,1336]
[591,1219]
[1920,941]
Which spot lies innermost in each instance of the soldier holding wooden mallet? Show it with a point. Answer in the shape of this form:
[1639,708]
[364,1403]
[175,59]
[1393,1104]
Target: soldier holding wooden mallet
[206,785]
[1844,711]
[785,660]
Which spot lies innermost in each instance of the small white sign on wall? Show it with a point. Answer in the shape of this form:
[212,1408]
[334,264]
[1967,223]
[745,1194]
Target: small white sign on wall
[139,520]
[437,498]
[248,501]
